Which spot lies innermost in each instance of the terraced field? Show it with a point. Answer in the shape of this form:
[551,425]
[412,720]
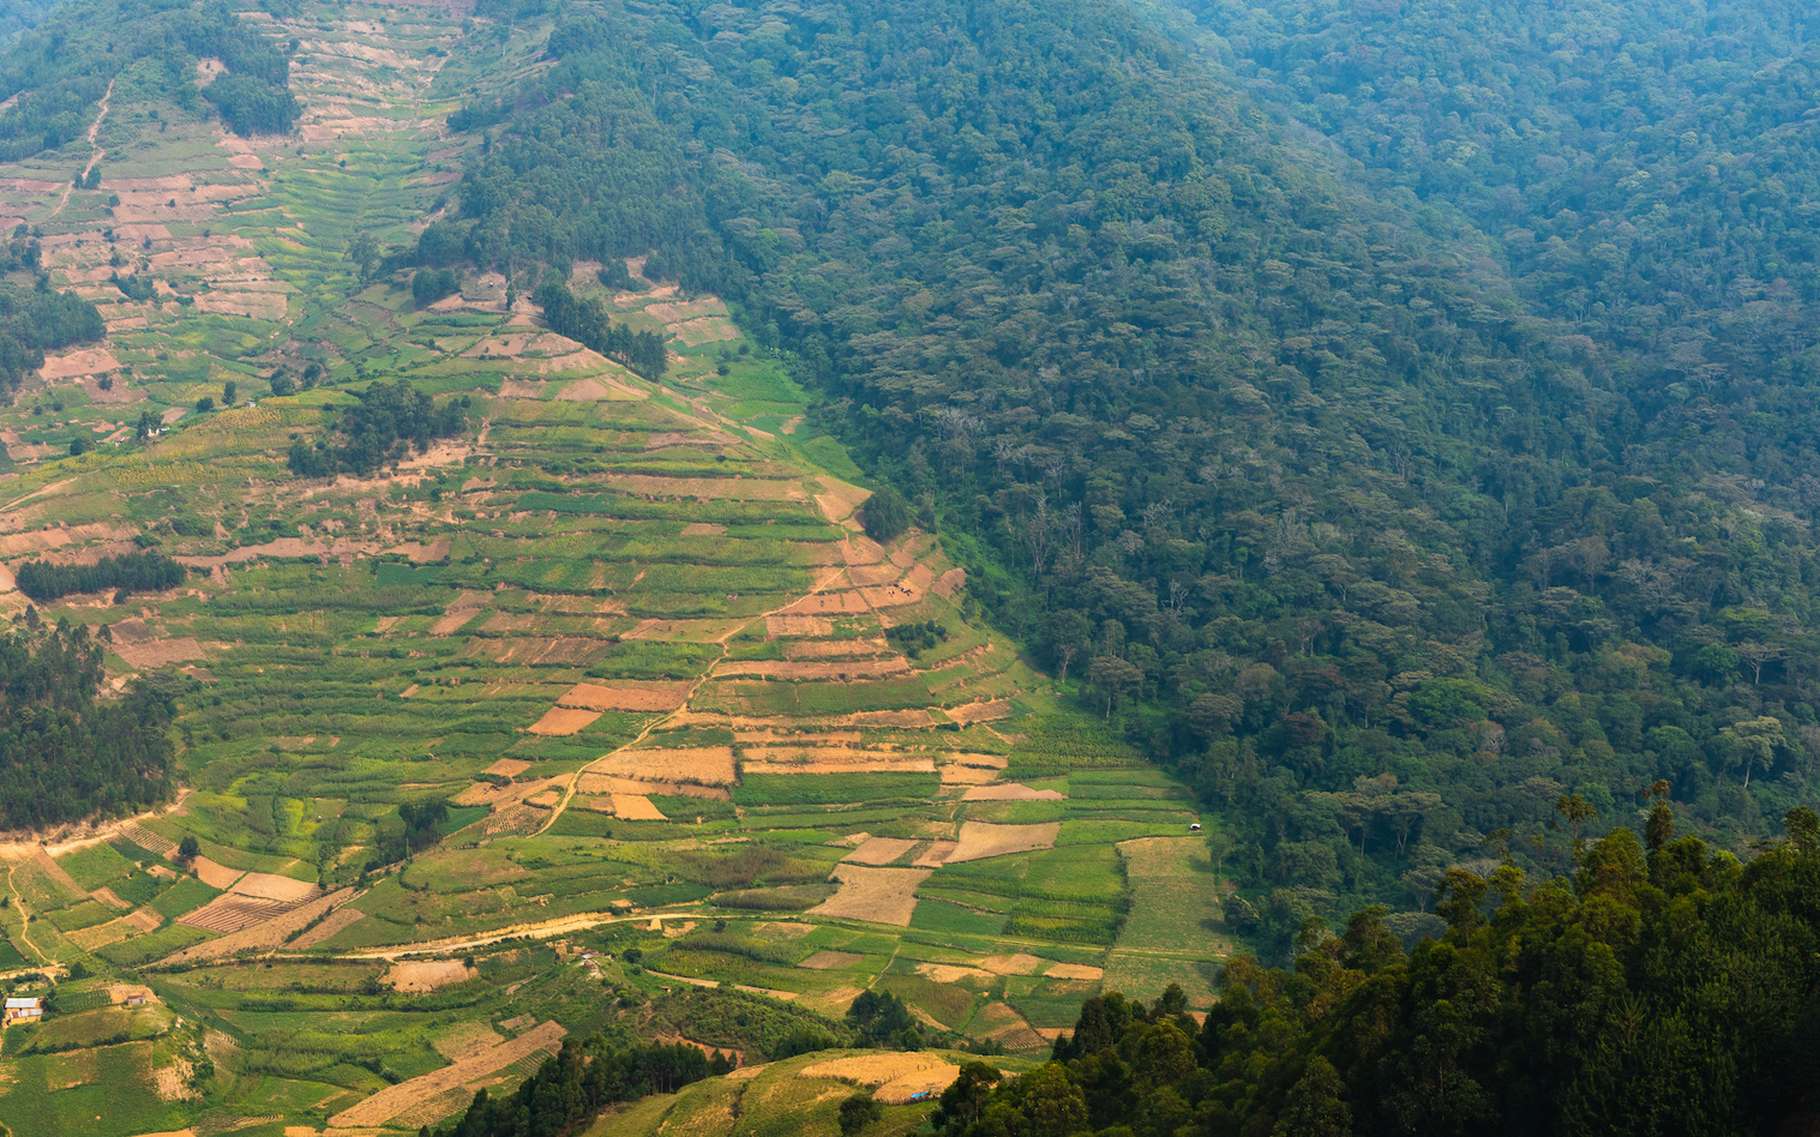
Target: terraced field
[631,632]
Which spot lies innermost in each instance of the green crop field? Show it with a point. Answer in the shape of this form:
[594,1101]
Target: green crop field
[626,634]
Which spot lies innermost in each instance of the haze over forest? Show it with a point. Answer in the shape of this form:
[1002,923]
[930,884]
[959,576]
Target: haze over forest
[1140,567]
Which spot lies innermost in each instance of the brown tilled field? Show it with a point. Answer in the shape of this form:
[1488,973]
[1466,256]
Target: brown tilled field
[626,695]
[879,850]
[270,934]
[895,1078]
[1010,791]
[707,765]
[560,721]
[473,1067]
[982,839]
[884,896]
[416,976]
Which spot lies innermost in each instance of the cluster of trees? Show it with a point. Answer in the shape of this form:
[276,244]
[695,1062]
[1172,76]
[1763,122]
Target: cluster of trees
[581,1080]
[36,320]
[885,515]
[1667,989]
[387,422]
[1386,556]
[252,106]
[428,285]
[918,637]
[417,826]
[126,572]
[65,753]
[60,68]
[586,322]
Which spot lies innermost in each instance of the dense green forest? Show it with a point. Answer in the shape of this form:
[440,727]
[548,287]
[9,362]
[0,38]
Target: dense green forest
[56,74]
[1662,990]
[34,320]
[128,572]
[1287,471]
[65,753]
[386,423]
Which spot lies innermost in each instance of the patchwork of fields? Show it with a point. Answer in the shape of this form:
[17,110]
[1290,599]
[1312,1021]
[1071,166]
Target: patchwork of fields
[630,632]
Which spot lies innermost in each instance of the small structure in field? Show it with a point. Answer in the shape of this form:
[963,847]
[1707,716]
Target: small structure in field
[24,1008]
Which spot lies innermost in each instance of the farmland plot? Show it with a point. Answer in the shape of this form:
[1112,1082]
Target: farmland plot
[627,633]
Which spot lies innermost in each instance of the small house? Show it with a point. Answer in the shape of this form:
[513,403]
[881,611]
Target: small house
[24,1008]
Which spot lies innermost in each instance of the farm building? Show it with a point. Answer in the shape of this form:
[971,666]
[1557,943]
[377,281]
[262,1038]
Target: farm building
[24,1009]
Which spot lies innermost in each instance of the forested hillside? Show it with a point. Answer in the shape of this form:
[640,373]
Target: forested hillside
[1295,477]
[65,753]
[1667,990]
[53,78]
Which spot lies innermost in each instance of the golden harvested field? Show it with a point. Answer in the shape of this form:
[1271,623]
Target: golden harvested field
[893,1078]
[881,895]
[415,976]
[981,839]
[626,695]
[472,1067]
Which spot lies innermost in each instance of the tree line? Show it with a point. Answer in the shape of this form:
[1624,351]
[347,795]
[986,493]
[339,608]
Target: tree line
[1665,987]
[387,422]
[66,753]
[581,1080]
[126,572]
[586,322]
[36,320]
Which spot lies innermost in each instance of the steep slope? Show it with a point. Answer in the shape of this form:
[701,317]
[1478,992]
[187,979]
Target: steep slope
[612,669]
[1284,465]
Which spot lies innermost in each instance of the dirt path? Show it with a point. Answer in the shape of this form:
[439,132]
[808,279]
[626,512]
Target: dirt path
[542,930]
[23,846]
[25,915]
[96,150]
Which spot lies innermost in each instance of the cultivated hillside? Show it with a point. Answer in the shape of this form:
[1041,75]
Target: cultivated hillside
[689,728]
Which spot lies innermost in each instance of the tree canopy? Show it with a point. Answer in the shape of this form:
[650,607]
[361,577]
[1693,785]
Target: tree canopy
[1360,524]
[1667,989]
[65,752]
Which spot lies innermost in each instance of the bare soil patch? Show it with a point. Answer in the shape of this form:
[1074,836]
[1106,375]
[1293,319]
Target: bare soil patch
[394,1100]
[158,653]
[879,850]
[835,649]
[895,1078]
[212,873]
[884,896]
[1016,963]
[707,765]
[559,721]
[328,928]
[810,669]
[417,976]
[784,626]
[271,933]
[271,886]
[990,710]
[636,807]
[626,695]
[508,767]
[83,361]
[826,960]
[1010,791]
[935,855]
[1080,971]
[710,489]
[982,839]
